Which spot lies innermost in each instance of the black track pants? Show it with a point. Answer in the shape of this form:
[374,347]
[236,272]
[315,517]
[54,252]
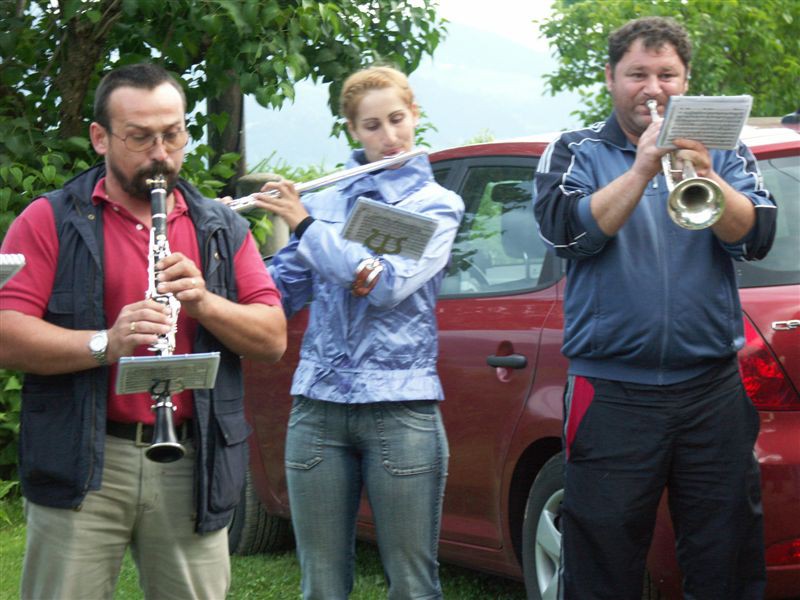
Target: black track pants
[625,444]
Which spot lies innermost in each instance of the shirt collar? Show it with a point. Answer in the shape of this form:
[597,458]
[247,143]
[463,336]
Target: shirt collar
[613,133]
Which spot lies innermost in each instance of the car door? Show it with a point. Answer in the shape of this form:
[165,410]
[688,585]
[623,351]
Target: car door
[494,300]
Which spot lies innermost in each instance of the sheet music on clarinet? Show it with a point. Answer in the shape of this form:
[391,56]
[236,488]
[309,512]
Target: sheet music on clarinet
[182,371]
[10,264]
[387,229]
[716,121]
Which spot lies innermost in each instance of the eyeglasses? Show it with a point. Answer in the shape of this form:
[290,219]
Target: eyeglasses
[139,142]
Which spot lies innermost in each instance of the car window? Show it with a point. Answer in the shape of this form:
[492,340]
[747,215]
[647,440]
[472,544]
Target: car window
[782,265]
[497,249]
[440,174]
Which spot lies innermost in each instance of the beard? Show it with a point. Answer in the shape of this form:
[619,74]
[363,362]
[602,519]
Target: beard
[137,185]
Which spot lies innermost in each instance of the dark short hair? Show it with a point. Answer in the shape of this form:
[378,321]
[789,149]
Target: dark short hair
[145,76]
[654,33]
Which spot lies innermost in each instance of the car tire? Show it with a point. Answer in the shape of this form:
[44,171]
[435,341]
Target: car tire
[541,535]
[253,530]
[541,532]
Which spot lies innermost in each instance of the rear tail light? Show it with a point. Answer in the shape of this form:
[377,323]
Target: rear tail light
[783,554]
[763,376]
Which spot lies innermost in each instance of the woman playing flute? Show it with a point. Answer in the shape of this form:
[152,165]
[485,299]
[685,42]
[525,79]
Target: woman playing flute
[365,415]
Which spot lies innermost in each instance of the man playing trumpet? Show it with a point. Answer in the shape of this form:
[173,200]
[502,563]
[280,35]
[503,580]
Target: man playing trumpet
[652,325]
[78,306]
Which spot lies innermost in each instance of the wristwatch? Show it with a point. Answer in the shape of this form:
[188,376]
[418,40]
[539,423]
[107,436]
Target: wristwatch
[98,345]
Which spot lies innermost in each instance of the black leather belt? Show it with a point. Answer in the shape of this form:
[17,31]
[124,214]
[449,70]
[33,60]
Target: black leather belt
[143,434]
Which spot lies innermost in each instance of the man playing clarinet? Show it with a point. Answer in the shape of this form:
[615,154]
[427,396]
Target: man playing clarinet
[78,306]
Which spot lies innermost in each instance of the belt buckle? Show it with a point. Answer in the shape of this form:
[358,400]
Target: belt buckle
[138,441]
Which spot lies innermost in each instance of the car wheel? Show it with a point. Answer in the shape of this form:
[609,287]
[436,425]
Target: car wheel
[541,535]
[253,530]
[541,532]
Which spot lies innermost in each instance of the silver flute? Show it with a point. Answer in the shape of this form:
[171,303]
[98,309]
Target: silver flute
[246,203]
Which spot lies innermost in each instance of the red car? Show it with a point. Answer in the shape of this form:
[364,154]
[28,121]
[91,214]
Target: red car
[500,331]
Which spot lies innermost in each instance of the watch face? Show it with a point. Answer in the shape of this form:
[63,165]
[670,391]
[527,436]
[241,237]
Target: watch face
[98,342]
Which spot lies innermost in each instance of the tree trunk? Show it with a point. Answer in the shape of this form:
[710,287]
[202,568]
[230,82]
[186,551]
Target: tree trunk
[232,138]
[80,51]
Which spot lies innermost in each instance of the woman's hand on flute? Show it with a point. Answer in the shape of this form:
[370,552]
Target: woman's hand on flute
[281,198]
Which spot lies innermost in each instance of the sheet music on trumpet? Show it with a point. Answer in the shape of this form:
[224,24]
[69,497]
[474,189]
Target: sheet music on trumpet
[182,371]
[10,264]
[387,229]
[716,121]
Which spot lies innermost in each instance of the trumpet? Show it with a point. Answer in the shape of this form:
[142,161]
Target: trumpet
[246,203]
[165,446]
[694,202]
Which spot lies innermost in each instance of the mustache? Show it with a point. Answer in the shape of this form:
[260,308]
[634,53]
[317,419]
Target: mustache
[158,168]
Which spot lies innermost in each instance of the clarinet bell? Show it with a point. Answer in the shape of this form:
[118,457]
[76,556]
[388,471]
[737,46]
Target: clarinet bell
[165,447]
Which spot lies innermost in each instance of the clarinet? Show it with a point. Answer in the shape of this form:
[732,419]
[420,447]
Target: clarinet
[165,446]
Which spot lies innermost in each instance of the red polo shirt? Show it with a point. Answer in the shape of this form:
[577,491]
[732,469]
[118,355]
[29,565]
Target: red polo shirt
[126,248]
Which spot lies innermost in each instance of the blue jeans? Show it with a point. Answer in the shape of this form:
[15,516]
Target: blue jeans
[397,452]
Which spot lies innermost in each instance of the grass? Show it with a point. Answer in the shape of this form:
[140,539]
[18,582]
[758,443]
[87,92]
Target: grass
[261,577]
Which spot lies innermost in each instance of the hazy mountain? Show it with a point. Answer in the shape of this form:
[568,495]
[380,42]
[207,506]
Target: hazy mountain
[477,82]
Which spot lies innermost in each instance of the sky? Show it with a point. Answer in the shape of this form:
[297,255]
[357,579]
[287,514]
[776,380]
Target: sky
[490,67]
[510,18]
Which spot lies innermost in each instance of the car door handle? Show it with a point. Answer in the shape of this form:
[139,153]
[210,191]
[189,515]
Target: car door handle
[512,361]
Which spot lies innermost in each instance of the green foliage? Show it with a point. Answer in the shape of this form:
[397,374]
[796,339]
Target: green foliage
[52,56]
[260,223]
[423,127]
[740,47]
[9,432]
[34,163]
[482,137]
[56,52]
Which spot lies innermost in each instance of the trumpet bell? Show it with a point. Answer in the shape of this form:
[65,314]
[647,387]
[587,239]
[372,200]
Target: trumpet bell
[695,203]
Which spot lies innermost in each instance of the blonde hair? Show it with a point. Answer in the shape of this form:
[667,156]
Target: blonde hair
[372,78]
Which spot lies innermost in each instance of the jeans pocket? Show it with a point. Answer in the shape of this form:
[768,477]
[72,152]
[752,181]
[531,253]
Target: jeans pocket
[412,442]
[425,409]
[304,433]
[301,408]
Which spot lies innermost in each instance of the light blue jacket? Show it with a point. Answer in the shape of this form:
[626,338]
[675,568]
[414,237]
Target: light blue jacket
[381,347]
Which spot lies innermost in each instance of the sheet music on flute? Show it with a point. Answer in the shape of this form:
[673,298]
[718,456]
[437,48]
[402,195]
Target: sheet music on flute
[10,264]
[716,121]
[387,229]
[182,371]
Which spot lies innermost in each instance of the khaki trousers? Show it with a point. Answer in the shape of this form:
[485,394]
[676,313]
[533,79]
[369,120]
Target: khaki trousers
[75,554]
